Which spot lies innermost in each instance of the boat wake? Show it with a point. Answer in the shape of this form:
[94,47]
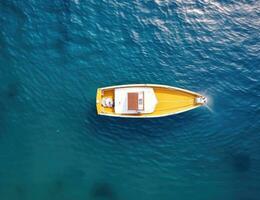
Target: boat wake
[209,108]
[209,103]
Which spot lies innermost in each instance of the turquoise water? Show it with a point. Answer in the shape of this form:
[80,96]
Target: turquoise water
[55,54]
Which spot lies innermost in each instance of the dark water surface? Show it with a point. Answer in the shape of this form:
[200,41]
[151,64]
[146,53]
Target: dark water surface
[55,54]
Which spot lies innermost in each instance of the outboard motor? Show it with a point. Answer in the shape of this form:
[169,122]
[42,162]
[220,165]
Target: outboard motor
[107,102]
[201,100]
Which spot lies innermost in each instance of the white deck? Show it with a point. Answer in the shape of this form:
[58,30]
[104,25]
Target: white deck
[121,98]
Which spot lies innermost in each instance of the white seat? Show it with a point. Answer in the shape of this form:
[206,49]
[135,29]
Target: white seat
[146,100]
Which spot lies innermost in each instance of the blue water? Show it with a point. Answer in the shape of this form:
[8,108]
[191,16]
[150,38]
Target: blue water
[55,54]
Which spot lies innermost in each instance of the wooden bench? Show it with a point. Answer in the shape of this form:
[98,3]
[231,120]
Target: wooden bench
[133,101]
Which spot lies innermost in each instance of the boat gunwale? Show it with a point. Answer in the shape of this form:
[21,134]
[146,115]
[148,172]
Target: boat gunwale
[148,116]
[150,85]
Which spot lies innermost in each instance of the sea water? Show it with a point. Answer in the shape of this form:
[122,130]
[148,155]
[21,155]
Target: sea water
[55,54]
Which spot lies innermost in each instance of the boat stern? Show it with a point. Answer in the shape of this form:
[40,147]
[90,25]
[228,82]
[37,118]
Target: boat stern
[98,100]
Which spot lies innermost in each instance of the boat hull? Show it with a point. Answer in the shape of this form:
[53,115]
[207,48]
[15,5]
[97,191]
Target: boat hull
[171,101]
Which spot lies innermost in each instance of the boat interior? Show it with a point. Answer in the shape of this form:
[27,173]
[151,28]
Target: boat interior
[168,101]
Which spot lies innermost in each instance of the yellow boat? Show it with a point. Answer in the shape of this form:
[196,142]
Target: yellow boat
[145,100]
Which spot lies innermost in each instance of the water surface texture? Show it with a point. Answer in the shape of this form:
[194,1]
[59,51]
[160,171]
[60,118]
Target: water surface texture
[55,54]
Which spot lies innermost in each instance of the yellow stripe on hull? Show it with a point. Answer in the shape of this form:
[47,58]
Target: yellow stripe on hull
[171,100]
